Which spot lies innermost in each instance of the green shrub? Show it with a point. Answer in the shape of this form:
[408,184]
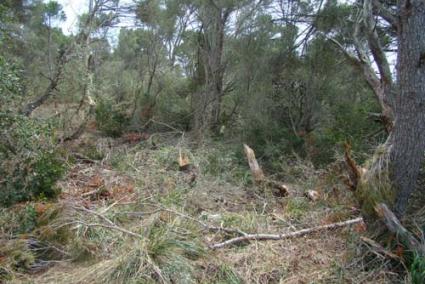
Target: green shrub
[30,163]
[30,178]
[110,121]
[417,270]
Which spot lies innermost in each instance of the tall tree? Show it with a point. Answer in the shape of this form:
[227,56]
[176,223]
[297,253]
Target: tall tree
[53,11]
[407,140]
[213,17]
[402,101]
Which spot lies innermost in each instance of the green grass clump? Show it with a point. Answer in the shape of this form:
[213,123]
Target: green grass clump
[226,275]
[162,255]
[296,208]
[375,185]
[15,258]
[417,270]
[111,121]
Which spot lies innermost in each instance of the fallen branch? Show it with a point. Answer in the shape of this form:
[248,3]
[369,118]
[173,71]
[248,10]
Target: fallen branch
[379,249]
[265,237]
[394,225]
[83,158]
[110,225]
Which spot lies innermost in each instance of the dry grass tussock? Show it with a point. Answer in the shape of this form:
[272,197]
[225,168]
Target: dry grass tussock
[128,215]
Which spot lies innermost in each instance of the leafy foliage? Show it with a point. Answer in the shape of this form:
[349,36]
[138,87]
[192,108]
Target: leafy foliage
[29,162]
[109,120]
[417,270]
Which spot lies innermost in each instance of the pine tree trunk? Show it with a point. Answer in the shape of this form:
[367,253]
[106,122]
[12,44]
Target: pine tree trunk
[207,102]
[408,136]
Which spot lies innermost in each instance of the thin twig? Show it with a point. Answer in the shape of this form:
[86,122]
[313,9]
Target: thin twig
[113,227]
[205,225]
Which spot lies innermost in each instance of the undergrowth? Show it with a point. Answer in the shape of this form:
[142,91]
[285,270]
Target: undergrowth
[146,223]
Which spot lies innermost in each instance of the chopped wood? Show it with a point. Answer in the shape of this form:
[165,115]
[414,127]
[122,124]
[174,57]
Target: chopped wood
[354,172]
[313,195]
[282,190]
[184,163]
[300,233]
[394,226]
[256,171]
[188,168]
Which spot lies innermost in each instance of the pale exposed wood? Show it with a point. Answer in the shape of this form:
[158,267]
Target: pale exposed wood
[256,171]
[279,189]
[300,233]
[354,172]
[394,225]
[282,189]
[183,160]
[313,195]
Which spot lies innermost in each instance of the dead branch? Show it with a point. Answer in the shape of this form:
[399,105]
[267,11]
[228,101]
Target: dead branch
[394,226]
[54,81]
[93,193]
[379,249]
[265,237]
[110,225]
[354,173]
[83,158]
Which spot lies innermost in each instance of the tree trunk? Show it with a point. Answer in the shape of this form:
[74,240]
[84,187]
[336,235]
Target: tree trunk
[408,136]
[208,100]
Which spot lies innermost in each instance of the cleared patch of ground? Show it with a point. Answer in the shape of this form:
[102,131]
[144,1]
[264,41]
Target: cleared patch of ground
[127,214]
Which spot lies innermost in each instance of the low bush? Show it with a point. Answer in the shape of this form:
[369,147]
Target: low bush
[30,165]
[30,162]
[109,120]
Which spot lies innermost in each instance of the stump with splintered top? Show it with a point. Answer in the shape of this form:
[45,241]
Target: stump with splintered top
[279,189]
[256,171]
[188,168]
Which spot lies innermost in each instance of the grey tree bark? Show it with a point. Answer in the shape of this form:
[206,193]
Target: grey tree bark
[403,100]
[408,136]
[207,101]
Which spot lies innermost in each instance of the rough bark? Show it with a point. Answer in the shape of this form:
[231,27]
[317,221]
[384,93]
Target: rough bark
[408,136]
[208,99]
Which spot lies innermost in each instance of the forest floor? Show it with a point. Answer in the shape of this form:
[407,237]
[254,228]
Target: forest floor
[127,214]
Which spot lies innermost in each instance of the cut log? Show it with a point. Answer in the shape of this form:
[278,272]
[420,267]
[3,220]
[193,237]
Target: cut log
[281,190]
[256,171]
[313,195]
[184,163]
